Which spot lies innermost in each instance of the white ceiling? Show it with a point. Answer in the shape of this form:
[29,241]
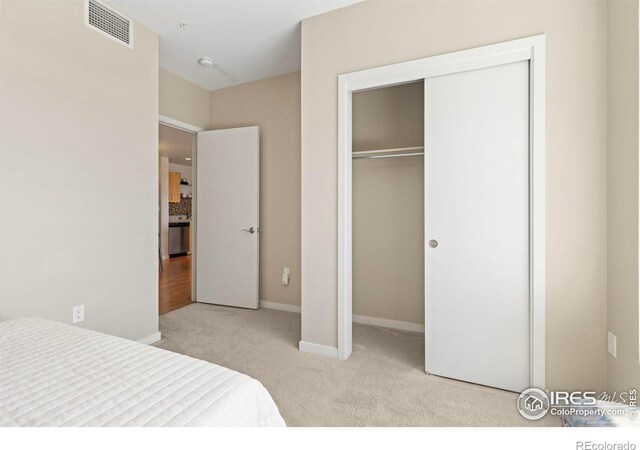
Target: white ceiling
[175,144]
[248,39]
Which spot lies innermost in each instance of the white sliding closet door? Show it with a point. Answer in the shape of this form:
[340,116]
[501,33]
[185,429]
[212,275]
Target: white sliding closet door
[477,226]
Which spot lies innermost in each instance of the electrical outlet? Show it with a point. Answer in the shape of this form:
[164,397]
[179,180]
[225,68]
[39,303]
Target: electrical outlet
[611,344]
[285,277]
[78,313]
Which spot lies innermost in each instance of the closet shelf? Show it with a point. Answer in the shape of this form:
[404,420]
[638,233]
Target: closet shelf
[389,153]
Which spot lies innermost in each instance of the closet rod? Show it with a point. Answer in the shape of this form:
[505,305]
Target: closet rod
[395,155]
[389,153]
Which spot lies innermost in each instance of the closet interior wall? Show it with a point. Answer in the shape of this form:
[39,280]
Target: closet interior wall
[388,205]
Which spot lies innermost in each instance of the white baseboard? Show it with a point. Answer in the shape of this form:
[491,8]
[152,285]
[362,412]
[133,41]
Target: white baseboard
[388,323]
[357,318]
[152,338]
[318,349]
[164,257]
[280,306]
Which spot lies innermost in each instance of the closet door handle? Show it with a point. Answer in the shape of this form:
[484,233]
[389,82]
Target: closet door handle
[433,243]
[250,230]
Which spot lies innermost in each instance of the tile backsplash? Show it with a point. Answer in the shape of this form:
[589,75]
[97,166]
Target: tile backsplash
[180,209]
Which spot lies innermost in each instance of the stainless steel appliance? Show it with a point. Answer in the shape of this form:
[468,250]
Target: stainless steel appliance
[178,238]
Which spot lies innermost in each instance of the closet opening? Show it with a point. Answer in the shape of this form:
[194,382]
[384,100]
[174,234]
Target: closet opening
[483,174]
[388,215]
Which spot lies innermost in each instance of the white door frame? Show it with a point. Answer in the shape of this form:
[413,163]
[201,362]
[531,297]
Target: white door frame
[528,49]
[164,120]
[174,123]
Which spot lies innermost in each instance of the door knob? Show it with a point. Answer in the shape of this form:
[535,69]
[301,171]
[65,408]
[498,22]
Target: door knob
[250,230]
[433,243]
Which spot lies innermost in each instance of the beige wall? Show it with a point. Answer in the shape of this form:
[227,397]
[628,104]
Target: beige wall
[622,166]
[391,117]
[274,105]
[182,100]
[388,205]
[373,33]
[78,171]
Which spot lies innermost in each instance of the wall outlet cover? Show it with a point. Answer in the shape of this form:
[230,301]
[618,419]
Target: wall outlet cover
[78,313]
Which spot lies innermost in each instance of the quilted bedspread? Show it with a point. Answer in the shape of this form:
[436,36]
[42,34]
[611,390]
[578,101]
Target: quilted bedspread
[52,374]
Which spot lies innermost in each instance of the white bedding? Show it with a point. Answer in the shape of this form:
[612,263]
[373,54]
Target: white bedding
[53,374]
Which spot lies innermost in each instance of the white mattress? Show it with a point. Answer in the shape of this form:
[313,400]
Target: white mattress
[53,374]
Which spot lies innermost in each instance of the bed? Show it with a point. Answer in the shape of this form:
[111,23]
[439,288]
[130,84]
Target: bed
[52,374]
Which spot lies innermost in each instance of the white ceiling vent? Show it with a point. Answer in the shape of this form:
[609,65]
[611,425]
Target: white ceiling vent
[106,20]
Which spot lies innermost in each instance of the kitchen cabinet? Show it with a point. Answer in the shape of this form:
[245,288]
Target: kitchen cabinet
[174,187]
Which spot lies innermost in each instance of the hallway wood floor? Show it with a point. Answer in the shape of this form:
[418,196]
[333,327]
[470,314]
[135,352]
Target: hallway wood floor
[175,284]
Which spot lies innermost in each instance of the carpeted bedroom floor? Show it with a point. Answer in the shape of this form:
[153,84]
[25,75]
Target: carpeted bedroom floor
[382,384]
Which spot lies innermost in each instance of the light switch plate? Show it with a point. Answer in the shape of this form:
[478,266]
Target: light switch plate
[612,344]
[285,277]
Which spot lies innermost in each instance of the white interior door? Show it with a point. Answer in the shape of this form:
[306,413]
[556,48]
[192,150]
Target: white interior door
[477,226]
[227,196]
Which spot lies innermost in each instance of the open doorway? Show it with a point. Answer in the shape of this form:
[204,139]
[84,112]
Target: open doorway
[176,236]
[227,164]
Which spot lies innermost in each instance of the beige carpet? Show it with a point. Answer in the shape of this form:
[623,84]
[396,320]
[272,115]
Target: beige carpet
[382,384]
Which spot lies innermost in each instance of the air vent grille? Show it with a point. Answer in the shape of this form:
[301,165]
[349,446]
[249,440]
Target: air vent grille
[109,22]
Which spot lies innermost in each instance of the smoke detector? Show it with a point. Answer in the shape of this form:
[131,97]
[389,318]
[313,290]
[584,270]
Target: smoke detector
[206,61]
